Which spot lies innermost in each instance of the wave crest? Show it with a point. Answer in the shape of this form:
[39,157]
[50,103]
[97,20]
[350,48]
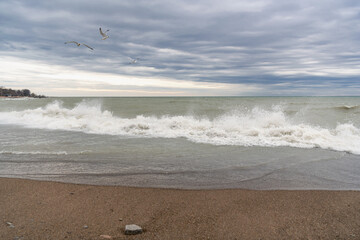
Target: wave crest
[257,127]
[348,107]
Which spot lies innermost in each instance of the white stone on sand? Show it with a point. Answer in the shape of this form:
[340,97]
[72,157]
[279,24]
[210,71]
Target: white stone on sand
[132,229]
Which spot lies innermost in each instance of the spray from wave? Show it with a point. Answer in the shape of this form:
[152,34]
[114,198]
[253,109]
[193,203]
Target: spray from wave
[257,127]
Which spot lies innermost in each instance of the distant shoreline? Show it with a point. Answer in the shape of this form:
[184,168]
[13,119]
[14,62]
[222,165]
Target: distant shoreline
[23,97]
[13,93]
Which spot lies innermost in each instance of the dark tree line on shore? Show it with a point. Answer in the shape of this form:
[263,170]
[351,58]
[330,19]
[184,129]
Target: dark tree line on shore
[8,92]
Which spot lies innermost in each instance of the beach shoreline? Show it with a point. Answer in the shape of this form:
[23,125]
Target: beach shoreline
[53,210]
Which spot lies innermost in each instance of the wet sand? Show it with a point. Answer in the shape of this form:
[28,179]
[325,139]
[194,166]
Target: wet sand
[49,210]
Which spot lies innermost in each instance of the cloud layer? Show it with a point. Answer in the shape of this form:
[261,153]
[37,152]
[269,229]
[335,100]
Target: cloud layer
[262,47]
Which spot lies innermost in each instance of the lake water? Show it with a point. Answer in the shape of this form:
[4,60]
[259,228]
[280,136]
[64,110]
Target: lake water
[184,142]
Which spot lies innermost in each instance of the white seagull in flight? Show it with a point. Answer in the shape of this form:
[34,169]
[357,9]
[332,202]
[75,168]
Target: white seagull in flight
[133,60]
[78,44]
[103,34]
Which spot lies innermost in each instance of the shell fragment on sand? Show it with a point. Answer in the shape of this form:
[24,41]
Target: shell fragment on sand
[10,225]
[105,237]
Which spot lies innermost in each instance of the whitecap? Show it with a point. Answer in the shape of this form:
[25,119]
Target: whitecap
[256,127]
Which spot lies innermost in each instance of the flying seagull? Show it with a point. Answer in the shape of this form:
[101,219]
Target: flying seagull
[133,60]
[103,34]
[78,44]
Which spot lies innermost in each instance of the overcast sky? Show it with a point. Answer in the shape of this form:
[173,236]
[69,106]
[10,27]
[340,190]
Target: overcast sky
[201,48]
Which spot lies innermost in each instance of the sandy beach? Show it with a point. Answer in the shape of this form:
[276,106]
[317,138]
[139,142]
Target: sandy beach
[50,210]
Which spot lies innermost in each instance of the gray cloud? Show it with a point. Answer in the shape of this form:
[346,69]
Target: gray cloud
[277,44]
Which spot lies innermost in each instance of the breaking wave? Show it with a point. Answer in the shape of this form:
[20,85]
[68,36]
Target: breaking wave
[347,107]
[257,127]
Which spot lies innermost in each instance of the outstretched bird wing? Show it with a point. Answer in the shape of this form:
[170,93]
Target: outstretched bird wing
[87,46]
[72,42]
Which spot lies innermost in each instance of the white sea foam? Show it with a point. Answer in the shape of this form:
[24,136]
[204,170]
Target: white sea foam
[257,127]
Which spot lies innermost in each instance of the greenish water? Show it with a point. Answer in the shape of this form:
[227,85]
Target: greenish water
[184,142]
